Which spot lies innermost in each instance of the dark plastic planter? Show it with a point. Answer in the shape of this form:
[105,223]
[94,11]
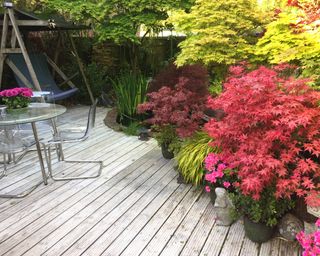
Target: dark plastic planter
[257,232]
[165,152]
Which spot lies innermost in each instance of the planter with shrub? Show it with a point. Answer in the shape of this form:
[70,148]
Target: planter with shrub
[270,135]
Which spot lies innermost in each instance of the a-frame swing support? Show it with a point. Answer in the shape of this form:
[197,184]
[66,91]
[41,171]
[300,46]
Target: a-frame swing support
[10,19]
[9,16]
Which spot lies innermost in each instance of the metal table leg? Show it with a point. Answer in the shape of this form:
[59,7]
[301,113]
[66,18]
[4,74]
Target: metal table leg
[43,171]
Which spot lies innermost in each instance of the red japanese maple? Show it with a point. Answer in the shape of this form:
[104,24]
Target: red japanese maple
[178,106]
[270,132]
[196,75]
[311,10]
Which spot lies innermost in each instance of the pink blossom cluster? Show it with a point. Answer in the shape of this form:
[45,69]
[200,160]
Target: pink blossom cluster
[215,168]
[310,243]
[24,92]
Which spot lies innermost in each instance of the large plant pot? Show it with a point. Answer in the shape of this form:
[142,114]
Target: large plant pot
[166,153]
[257,232]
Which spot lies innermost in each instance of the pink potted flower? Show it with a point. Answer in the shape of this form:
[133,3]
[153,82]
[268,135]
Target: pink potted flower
[16,98]
[310,242]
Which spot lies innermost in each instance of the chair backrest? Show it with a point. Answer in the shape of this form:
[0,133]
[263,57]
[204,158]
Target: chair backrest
[44,76]
[40,66]
[91,118]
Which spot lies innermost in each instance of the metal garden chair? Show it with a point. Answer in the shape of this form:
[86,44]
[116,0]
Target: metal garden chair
[72,135]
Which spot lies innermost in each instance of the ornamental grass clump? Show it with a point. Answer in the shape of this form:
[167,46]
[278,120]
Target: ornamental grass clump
[191,155]
[270,133]
[16,98]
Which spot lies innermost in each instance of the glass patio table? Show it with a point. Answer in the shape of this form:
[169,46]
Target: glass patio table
[34,113]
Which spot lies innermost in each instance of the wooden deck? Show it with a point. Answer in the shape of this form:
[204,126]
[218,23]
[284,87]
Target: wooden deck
[135,208]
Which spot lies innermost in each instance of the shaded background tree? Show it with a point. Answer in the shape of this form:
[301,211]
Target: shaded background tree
[119,20]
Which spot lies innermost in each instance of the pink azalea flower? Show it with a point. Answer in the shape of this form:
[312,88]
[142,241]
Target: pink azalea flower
[207,188]
[226,184]
[310,242]
[210,161]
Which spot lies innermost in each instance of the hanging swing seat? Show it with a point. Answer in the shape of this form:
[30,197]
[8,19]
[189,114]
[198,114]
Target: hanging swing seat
[40,64]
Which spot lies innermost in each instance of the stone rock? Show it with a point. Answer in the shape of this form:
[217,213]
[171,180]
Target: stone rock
[315,211]
[289,226]
[223,207]
[309,227]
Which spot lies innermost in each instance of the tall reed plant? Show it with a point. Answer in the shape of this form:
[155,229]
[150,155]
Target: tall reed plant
[130,90]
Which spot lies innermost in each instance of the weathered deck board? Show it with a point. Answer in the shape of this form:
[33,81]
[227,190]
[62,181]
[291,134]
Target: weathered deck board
[136,207]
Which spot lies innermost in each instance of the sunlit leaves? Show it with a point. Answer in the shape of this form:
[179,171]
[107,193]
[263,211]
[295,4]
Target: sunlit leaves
[217,31]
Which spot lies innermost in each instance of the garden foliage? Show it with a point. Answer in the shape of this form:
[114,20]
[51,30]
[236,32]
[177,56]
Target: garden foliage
[117,20]
[294,36]
[180,105]
[130,90]
[191,155]
[219,31]
[197,78]
[270,132]
[268,209]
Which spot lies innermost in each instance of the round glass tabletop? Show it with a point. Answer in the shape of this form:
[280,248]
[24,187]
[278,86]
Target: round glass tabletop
[35,112]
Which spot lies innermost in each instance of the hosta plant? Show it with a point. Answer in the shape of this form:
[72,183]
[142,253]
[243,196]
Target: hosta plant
[270,133]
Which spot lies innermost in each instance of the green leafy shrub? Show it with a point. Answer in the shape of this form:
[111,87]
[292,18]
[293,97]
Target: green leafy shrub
[268,209]
[97,79]
[167,135]
[292,38]
[132,129]
[191,156]
[130,90]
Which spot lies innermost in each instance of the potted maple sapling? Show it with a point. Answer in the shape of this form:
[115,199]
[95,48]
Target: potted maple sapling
[177,109]
[270,121]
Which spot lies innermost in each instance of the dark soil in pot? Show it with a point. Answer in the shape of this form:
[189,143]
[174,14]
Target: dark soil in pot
[257,232]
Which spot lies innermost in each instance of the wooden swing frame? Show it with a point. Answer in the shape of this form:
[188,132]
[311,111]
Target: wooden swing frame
[17,45]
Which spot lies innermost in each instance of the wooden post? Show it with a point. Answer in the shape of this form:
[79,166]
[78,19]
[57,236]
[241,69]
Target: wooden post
[24,50]
[81,68]
[59,71]
[13,39]
[57,52]
[3,43]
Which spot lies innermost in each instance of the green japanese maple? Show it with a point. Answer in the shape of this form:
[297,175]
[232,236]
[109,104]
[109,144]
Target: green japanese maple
[220,31]
[294,36]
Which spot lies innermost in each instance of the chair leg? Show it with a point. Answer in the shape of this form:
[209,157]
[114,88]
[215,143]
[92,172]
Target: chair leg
[56,178]
[4,171]
[23,194]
